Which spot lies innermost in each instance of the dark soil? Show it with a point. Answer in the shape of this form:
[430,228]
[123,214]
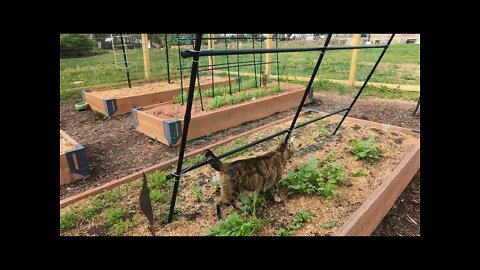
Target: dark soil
[115,149]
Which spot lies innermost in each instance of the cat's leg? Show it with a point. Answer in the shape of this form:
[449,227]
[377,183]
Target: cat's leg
[220,206]
[275,192]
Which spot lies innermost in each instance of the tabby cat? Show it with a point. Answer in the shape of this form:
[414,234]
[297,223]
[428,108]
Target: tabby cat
[253,174]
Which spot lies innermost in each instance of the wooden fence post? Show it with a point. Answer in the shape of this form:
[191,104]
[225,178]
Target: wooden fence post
[353,64]
[146,57]
[268,56]
[210,46]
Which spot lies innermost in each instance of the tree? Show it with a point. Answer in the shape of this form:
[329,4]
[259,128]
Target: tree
[76,45]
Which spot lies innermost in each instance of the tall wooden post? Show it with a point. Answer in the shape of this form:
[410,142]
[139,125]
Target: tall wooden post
[268,58]
[210,46]
[146,57]
[353,64]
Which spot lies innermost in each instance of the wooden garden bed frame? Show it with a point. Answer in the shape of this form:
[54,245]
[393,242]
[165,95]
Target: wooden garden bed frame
[73,163]
[361,223]
[123,105]
[169,131]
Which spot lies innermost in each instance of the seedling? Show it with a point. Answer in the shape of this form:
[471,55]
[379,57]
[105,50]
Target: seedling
[364,149]
[235,225]
[298,220]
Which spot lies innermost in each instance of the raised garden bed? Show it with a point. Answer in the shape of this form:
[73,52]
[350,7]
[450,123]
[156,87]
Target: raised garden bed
[164,122]
[123,100]
[367,192]
[73,160]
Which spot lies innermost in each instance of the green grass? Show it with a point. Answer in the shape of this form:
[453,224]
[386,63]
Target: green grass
[399,65]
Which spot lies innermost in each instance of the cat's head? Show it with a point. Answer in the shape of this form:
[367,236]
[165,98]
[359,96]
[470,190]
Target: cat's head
[290,148]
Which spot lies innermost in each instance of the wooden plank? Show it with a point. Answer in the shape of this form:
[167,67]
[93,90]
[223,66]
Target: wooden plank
[67,137]
[353,63]
[366,219]
[236,115]
[151,126]
[376,125]
[64,170]
[126,104]
[66,176]
[403,87]
[95,102]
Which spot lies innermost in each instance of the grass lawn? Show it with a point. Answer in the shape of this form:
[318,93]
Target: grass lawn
[401,64]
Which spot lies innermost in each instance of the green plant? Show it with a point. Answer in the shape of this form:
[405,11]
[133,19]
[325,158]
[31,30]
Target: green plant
[120,227]
[329,225]
[157,195]
[88,212]
[220,101]
[197,192]
[298,220]
[164,219]
[68,220]
[364,149]
[235,225]
[312,179]
[358,174]
[108,197]
[249,206]
[115,215]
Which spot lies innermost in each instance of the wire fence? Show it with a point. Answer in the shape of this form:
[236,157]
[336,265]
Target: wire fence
[102,60]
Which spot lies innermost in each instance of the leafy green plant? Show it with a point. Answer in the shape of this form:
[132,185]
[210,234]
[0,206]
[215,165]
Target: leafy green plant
[298,220]
[120,227]
[312,179]
[115,215]
[364,149]
[235,225]
[329,225]
[88,212]
[220,101]
[197,192]
[249,206]
[157,195]
[68,220]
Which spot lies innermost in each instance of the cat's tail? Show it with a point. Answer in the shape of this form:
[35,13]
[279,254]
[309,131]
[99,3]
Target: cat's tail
[215,163]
